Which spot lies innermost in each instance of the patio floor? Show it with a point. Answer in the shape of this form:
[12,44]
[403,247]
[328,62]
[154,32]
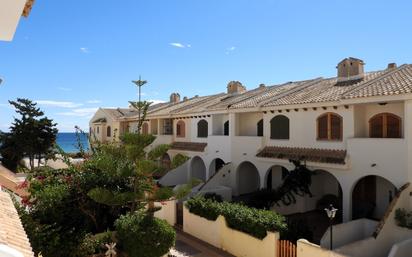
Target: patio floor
[187,246]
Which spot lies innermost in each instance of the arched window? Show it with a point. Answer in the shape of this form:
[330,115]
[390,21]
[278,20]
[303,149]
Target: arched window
[108,131]
[260,128]
[202,130]
[385,125]
[226,128]
[145,128]
[180,129]
[279,127]
[329,126]
[97,129]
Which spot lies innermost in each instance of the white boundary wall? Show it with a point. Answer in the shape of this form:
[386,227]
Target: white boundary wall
[218,234]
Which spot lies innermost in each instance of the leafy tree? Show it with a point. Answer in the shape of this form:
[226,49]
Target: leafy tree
[32,135]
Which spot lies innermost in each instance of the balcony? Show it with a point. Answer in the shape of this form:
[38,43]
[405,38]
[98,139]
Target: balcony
[246,145]
[380,156]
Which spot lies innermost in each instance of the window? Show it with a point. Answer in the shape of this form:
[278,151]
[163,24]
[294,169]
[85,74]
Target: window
[279,127]
[226,128]
[329,127]
[180,129]
[202,130]
[167,127]
[145,128]
[260,128]
[108,131]
[385,125]
[97,129]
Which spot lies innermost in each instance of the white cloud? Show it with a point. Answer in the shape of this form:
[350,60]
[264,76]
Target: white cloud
[94,101]
[61,104]
[230,49]
[64,89]
[180,45]
[80,112]
[155,101]
[84,50]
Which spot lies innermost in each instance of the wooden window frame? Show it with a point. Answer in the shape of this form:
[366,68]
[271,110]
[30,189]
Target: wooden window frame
[108,131]
[179,126]
[329,127]
[385,124]
[270,125]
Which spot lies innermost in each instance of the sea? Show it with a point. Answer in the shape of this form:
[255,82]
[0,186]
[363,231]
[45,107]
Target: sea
[68,142]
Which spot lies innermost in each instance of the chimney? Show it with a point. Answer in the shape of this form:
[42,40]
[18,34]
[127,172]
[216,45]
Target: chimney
[350,69]
[174,98]
[185,98]
[262,85]
[392,65]
[235,87]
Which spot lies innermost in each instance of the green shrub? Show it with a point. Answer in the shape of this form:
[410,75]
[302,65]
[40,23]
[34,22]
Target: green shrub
[142,235]
[403,218]
[240,217]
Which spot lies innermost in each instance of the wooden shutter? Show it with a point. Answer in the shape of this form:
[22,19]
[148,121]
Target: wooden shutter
[260,128]
[323,127]
[376,126]
[335,127]
[393,126]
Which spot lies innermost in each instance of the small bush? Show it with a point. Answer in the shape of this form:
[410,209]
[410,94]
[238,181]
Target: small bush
[213,196]
[403,218]
[240,217]
[142,235]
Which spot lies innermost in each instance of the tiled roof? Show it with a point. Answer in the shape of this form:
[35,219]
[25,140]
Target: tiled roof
[189,146]
[393,81]
[27,8]
[201,106]
[271,93]
[12,232]
[307,154]
[396,82]
[325,90]
[9,181]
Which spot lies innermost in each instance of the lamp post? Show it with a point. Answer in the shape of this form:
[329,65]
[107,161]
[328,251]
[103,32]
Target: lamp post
[331,212]
[139,83]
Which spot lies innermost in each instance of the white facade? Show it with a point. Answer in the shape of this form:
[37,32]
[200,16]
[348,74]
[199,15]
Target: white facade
[10,14]
[386,159]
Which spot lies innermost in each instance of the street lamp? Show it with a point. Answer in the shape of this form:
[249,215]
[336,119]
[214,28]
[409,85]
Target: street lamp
[331,212]
[139,83]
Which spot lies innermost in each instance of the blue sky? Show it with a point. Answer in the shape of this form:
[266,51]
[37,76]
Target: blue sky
[74,56]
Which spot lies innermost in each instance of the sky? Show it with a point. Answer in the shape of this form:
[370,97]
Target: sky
[72,57]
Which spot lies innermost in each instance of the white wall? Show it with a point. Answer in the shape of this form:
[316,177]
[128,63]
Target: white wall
[303,128]
[246,123]
[10,14]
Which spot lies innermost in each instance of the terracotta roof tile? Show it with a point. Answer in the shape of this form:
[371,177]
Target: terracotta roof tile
[396,82]
[12,232]
[189,146]
[307,154]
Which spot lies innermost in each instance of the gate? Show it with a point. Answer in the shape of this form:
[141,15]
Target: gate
[179,214]
[286,249]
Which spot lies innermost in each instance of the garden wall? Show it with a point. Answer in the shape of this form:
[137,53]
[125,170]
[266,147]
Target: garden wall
[218,234]
[167,212]
[307,249]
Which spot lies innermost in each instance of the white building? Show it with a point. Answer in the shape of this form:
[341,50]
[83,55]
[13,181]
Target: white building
[10,14]
[354,130]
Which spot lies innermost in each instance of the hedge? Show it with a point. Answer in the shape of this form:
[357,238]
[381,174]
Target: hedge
[252,221]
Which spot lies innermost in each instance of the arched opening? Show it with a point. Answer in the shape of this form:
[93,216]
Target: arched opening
[248,179]
[329,127]
[259,127]
[275,176]
[198,168]
[180,129]
[385,125]
[371,197]
[145,129]
[166,162]
[215,166]
[108,131]
[226,128]
[279,127]
[202,128]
